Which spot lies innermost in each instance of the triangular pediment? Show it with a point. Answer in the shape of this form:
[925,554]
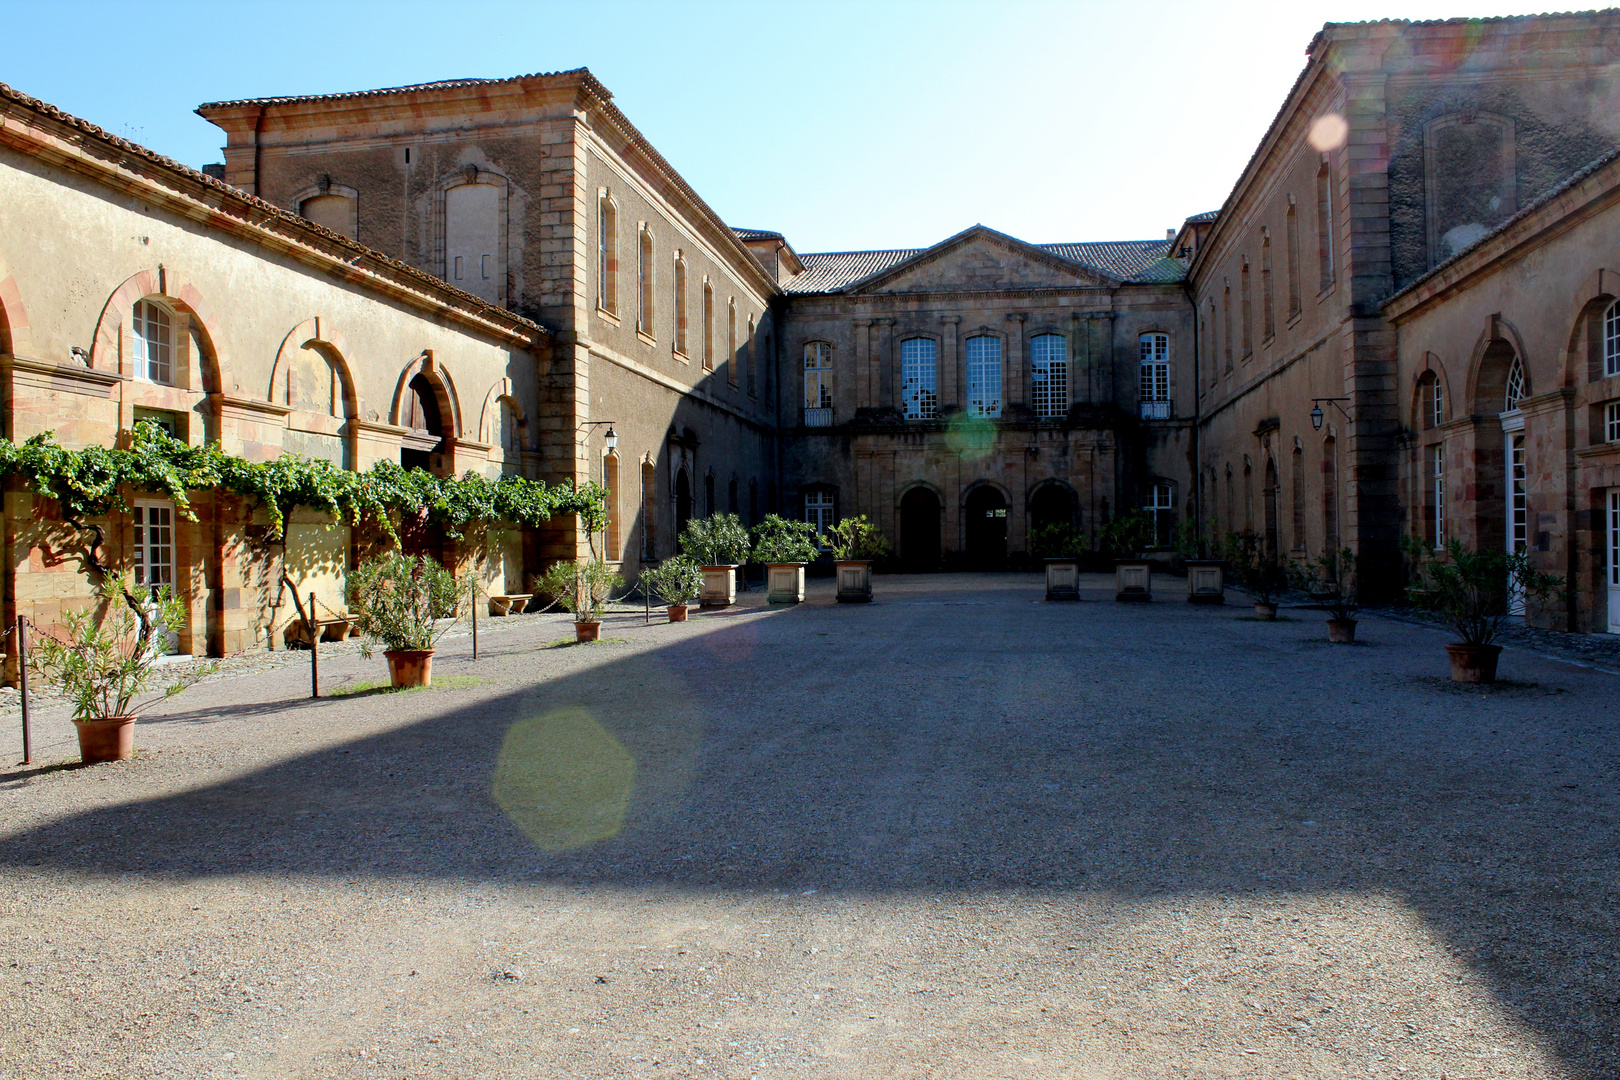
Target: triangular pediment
[980,259]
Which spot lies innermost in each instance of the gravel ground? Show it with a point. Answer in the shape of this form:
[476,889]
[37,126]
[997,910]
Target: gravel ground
[957,833]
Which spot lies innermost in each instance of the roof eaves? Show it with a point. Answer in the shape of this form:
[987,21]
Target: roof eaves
[392,91]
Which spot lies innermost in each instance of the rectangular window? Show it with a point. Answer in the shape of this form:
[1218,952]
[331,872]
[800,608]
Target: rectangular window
[1268,308]
[1611,340]
[818,511]
[154,351]
[1437,496]
[1159,509]
[818,384]
[1155,375]
[919,378]
[1293,262]
[1612,424]
[1324,226]
[680,306]
[708,327]
[984,376]
[731,341]
[1439,413]
[607,261]
[748,356]
[457,276]
[1049,375]
[154,544]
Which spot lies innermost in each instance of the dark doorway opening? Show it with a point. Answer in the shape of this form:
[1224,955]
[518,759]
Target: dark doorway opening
[986,529]
[919,530]
[683,501]
[1273,541]
[1051,504]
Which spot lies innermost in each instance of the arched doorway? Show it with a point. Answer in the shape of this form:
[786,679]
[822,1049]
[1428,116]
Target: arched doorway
[986,529]
[1052,504]
[424,423]
[919,530]
[1269,497]
[683,502]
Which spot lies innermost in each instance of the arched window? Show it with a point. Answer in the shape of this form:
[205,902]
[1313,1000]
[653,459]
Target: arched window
[644,282]
[1431,403]
[680,304]
[748,356]
[984,376]
[1154,369]
[1611,340]
[1268,310]
[1207,343]
[1324,225]
[1296,481]
[154,345]
[1245,310]
[1330,495]
[708,326]
[708,494]
[472,238]
[1515,386]
[333,210]
[1294,303]
[731,341]
[615,520]
[649,511]
[1049,375]
[1226,324]
[818,384]
[607,257]
[919,378]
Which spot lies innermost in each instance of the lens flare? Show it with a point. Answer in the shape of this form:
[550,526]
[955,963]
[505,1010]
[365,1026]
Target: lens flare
[564,779]
[1328,133]
[972,437]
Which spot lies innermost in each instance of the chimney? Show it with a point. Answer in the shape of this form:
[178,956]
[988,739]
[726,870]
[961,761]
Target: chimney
[1169,234]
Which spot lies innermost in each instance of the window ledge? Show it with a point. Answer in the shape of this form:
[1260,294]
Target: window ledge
[646,338]
[680,356]
[1295,317]
[1325,291]
[607,316]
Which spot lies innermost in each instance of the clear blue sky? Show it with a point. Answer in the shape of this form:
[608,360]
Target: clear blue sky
[874,123]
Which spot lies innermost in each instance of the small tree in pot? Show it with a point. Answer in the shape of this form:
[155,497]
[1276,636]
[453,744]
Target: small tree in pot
[676,581]
[856,541]
[784,546]
[1261,573]
[1330,581]
[1473,592]
[582,588]
[1059,548]
[397,601]
[103,664]
[718,544]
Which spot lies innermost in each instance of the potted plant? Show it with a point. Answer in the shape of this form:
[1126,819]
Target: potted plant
[784,546]
[1206,576]
[1473,592]
[856,541]
[1124,539]
[401,602]
[1261,573]
[582,588]
[718,544]
[676,581]
[1059,547]
[103,664]
[1330,581]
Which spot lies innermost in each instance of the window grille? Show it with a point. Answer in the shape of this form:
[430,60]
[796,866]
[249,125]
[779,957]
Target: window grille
[1324,226]
[1437,470]
[708,327]
[1612,426]
[1154,352]
[607,292]
[644,283]
[984,376]
[1159,508]
[1611,340]
[1614,541]
[1439,403]
[818,511]
[919,378]
[680,306]
[1515,386]
[818,384]
[154,544]
[1049,375]
[153,349]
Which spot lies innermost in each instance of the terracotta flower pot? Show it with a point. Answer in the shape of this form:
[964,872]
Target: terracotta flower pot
[677,612]
[1342,631]
[1265,612]
[410,667]
[111,738]
[1474,663]
[587,631]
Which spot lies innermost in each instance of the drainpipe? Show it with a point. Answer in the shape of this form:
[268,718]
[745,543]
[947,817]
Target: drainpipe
[258,130]
[1197,417]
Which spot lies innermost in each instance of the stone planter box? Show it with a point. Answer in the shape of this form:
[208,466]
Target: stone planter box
[1133,580]
[1206,581]
[719,586]
[854,581]
[784,583]
[1062,579]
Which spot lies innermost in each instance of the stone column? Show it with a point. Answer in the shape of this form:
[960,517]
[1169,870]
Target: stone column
[1015,377]
[883,362]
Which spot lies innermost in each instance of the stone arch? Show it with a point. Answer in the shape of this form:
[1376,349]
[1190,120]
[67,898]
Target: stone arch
[1433,370]
[489,417]
[902,490]
[316,333]
[1494,352]
[106,351]
[968,491]
[471,174]
[444,389]
[1586,312]
[1045,496]
[15,336]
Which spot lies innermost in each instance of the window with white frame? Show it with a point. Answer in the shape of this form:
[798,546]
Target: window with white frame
[154,544]
[984,376]
[154,348]
[818,511]
[919,378]
[1515,386]
[1611,340]
[818,375]
[1159,508]
[1438,400]
[1049,375]
[1612,422]
[1437,498]
[1154,367]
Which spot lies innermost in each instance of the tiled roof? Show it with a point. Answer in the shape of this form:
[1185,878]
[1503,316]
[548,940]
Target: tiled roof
[441,84]
[756,234]
[1200,219]
[1128,260]
[1329,27]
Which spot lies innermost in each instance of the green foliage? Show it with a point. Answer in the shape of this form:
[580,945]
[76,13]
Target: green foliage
[103,664]
[857,538]
[1330,581]
[396,600]
[92,482]
[1261,573]
[676,581]
[721,540]
[1471,589]
[1057,542]
[581,587]
[783,540]
[1126,535]
[1189,542]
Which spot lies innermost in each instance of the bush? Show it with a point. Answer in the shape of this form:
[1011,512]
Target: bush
[102,665]
[1472,590]
[580,587]
[1057,542]
[1261,573]
[1330,581]
[782,540]
[720,540]
[1127,535]
[397,599]
[676,581]
[856,539]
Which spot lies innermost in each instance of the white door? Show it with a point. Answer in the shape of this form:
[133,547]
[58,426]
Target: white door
[1614,560]
[1518,513]
[154,555]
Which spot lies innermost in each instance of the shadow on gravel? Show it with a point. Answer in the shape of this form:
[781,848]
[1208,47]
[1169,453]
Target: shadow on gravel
[920,747]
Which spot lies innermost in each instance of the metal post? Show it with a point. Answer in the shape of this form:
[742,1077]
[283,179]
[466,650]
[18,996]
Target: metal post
[475,616]
[22,677]
[314,651]
[646,598]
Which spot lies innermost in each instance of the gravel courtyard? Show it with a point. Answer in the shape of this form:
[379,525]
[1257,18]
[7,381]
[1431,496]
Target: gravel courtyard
[958,833]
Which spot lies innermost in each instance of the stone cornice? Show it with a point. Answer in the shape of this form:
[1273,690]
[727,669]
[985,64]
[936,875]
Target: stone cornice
[69,378]
[250,408]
